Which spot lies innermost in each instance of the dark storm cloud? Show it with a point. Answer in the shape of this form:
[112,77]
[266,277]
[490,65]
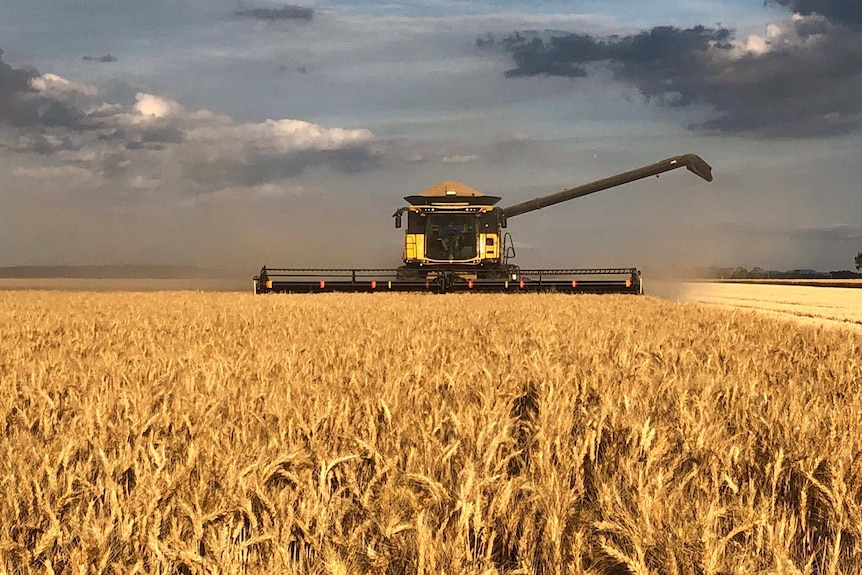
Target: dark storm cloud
[106,59]
[661,52]
[276,14]
[803,81]
[12,80]
[16,107]
[23,106]
[839,11]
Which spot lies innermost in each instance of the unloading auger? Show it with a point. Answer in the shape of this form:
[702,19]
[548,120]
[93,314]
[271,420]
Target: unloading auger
[455,241]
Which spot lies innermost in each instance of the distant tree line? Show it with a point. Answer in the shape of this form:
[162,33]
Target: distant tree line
[757,273]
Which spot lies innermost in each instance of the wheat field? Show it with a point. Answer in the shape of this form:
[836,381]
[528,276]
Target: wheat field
[182,432]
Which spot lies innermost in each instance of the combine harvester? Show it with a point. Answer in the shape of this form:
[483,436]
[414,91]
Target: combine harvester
[455,242]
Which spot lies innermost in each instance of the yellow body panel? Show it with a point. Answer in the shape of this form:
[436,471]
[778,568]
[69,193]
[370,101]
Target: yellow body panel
[486,251]
[420,246]
[410,247]
[414,247]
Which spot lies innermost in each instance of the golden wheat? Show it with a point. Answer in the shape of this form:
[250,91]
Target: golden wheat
[227,433]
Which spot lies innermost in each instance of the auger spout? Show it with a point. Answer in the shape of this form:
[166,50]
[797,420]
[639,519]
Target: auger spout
[694,163]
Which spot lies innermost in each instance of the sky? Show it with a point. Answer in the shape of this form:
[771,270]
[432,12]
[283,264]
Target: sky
[238,133]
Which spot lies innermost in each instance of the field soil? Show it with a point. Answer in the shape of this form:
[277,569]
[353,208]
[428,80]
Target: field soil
[825,306]
[199,432]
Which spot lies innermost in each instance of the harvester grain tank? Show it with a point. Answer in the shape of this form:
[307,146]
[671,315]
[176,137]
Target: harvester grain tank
[455,241]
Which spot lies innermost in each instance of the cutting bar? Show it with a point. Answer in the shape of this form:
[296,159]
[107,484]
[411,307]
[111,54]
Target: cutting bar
[570,280]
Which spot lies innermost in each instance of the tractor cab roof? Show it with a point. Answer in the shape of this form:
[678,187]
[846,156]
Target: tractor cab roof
[451,192]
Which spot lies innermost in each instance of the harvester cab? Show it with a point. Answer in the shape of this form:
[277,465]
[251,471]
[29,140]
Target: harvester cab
[449,224]
[454,241]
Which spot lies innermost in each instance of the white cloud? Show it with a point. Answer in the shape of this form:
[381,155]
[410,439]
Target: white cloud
[152,106]
[777,35]
[59,87]
[756,45]
[284,136]
[156,144]
[103,110]
[773,30]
